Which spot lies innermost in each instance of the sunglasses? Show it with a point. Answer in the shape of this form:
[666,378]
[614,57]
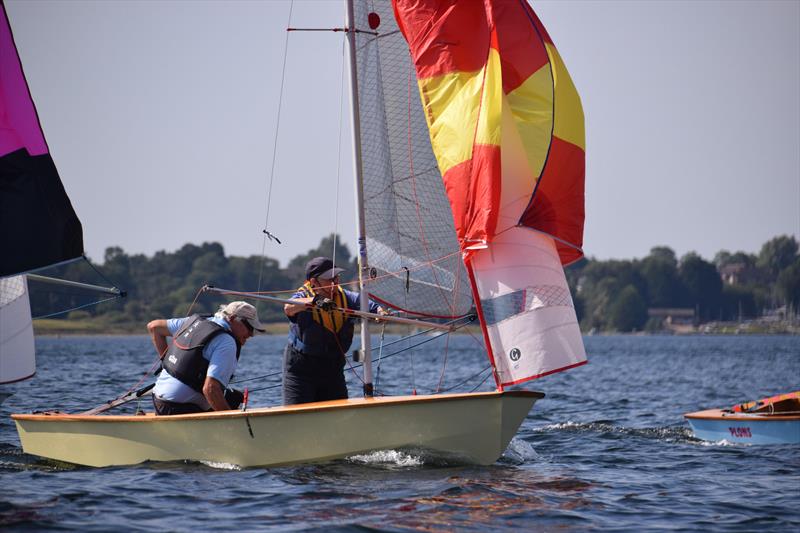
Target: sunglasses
[247,325]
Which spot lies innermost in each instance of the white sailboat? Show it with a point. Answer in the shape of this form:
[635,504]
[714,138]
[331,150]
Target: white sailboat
[468,141]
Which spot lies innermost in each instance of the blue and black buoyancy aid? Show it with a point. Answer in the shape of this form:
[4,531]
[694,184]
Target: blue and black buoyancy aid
[322,333]
[184,359]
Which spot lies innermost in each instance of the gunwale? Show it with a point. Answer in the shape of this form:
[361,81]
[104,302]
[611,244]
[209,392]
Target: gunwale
[720,414]
[333,405]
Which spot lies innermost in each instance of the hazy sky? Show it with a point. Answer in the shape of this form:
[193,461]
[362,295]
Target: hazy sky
[161,117]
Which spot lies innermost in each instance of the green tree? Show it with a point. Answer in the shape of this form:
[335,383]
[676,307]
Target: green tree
[703,284]
[660,273]
[665,254]
[724,258]
[738,302]
[628,311]
[599,286]
[788,285]
[777,254]
[330,246]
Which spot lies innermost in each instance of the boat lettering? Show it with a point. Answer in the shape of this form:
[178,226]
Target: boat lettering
[740,432]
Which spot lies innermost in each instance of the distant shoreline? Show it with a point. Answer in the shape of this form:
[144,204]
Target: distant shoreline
[65,328]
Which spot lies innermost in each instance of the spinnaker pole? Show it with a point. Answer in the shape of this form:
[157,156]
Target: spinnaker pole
[363,263]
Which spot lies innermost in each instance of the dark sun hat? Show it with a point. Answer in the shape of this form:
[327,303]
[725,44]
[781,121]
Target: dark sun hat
[322,267]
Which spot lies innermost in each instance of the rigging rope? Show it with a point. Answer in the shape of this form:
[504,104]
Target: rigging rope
[380,353]
[338,159]
[266,232]
[65,311]
[402,339]
[121,294]
[98,272]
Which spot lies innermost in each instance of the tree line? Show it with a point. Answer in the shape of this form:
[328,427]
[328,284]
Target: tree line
[616,295]
[167,284]
[611,295]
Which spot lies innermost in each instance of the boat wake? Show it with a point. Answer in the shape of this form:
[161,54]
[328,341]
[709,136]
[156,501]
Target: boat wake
[519,452]
[665,434]
[221,466]
[389,458]
[723,442]
[13,459]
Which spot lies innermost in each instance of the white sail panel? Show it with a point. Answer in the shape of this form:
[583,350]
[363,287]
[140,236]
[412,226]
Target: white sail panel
[17,351]
[527,307]
[411,239]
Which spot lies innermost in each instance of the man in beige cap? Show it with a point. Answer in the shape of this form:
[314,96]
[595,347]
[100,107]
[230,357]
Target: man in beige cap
[201,359]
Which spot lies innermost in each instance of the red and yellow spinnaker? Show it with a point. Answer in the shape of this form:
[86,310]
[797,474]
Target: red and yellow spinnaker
[506,125]
[505,120]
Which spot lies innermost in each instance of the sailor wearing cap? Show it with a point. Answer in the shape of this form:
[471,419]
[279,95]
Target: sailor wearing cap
[201,359]
[319,335]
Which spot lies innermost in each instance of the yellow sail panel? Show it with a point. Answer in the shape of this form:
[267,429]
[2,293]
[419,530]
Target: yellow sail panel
[532,108]
[569,121]
[459,103]
[451,108]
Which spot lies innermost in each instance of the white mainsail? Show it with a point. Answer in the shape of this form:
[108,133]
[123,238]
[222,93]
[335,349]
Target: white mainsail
[409,226]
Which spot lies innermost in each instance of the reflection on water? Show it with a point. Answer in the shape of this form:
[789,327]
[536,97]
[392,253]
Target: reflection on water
[491,501]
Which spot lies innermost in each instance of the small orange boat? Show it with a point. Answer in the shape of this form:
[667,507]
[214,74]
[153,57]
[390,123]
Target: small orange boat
[773,420]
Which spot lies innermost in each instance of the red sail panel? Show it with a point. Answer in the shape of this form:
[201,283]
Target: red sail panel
[460,95]
[505,121]
[33,200]
[557,208]
[435,31]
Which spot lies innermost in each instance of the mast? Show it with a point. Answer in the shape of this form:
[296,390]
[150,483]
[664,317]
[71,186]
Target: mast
[363,263]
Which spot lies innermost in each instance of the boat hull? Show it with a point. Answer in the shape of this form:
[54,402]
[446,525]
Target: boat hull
[745,428]
[469,428]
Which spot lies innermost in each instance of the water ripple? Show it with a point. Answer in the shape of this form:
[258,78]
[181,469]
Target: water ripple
[607,448]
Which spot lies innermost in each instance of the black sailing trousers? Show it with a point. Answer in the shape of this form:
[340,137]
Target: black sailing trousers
[308,378]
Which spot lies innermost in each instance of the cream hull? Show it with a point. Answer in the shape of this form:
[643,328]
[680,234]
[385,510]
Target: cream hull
[471,428]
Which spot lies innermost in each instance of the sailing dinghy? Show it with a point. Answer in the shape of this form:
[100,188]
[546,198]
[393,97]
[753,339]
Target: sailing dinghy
[773,420]
[469,164]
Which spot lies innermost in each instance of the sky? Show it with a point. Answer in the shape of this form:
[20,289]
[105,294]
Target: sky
[162,118]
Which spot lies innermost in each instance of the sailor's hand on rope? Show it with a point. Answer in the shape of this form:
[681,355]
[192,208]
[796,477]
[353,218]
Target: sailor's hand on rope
[326,304]
[382,312]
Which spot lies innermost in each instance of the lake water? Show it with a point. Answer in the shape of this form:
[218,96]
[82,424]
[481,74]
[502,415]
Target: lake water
[608,449]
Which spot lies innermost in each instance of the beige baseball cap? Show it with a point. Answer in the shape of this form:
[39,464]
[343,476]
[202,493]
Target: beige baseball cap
[245,311]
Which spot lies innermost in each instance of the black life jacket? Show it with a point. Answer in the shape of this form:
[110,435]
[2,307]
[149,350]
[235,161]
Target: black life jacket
[184,359]
[322,333]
